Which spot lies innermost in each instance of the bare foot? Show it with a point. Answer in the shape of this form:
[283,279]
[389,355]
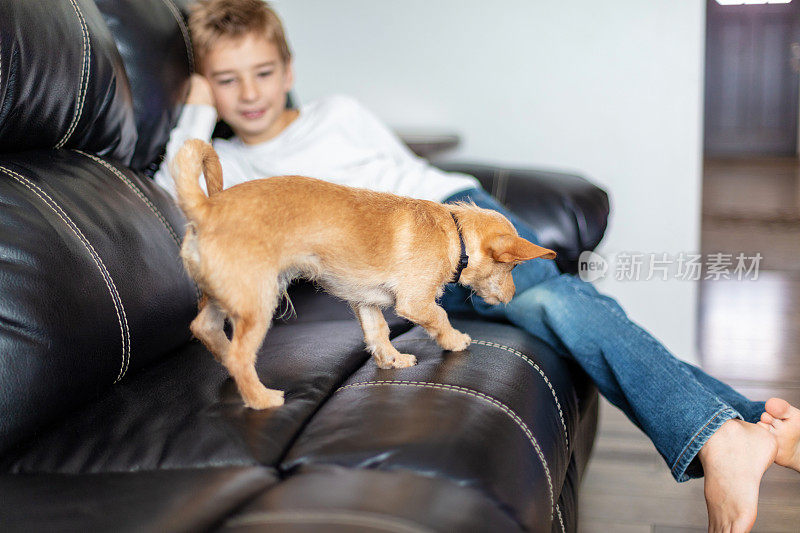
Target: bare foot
[734,460]
[783,421]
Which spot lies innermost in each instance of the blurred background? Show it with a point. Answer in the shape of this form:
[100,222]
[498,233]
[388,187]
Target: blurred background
[685,111]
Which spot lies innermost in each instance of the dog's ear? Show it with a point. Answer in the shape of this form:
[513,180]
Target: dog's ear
[513,249]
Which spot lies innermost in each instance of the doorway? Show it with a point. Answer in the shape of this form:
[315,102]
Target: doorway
[751,196]
[751,85]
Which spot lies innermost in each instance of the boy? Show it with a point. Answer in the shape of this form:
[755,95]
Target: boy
[699,425]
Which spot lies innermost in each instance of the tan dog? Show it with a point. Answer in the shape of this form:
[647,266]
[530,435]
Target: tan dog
[245,244]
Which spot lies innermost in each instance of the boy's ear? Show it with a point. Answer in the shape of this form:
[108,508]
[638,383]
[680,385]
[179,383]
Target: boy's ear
[513,249]
[289,75]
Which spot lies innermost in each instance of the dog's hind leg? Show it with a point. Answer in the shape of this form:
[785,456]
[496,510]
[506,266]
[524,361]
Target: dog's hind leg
[209,328]
[254,312]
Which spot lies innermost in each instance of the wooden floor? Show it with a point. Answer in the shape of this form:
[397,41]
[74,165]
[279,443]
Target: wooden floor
[749,336]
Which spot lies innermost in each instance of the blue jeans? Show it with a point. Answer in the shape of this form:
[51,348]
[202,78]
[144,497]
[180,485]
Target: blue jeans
[676,404]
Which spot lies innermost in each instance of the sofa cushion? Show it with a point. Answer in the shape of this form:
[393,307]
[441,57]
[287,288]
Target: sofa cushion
[185,412]
[164,501]
[62,81]
[92,285]
[343,500]
[501,417]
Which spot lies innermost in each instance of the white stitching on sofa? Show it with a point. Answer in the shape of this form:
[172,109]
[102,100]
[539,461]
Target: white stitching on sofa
[184,31]
[85,70]
[122,319]
[560,520]
[483,397]
[137,192]
[344,518]
[541,373]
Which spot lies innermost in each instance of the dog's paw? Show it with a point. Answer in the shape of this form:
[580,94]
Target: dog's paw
[403,360]
[455,341]
[396,360]
[265,399]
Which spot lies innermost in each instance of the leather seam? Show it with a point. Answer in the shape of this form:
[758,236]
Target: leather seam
[541,373]
[137,192]
[560,520]
[85,70]
[112,289]
[184,31]
[484,398]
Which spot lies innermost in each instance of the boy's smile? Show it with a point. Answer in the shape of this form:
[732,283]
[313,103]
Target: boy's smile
[250,82]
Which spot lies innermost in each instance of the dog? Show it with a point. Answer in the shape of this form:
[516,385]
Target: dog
[245,244]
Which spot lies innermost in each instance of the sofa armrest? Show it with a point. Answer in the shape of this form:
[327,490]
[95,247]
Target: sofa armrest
[567,212]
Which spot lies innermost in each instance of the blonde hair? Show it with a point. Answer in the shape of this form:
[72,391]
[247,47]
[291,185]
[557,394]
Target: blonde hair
[210,20]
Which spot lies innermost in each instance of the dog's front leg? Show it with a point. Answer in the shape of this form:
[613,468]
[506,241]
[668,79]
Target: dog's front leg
[376,335]
[434,319]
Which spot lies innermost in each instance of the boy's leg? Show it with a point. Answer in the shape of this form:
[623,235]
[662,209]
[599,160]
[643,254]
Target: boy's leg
[677,405]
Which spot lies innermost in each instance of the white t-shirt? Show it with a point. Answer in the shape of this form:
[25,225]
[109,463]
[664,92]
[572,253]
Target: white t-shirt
[335,139]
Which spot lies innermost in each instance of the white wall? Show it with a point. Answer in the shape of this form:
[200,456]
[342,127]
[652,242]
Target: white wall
[611,90]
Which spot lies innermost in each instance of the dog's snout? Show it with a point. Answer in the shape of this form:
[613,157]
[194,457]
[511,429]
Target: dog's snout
[508,291]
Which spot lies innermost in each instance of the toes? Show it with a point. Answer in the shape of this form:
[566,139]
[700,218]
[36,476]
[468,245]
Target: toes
[779,408]
[765,425]
[766,418]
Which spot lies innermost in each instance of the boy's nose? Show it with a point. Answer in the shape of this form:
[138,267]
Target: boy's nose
[249,91]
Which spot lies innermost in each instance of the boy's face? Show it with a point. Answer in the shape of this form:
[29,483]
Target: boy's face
[249,82]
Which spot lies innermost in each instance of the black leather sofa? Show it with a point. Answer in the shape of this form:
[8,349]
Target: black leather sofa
[113,418]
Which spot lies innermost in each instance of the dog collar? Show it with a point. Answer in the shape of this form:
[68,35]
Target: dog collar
[464,259]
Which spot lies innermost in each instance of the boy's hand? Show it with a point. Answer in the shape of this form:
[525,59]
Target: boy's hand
[200,91]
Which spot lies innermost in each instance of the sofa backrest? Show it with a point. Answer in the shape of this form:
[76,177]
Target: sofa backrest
[153,40]
[91,281]
[62,81]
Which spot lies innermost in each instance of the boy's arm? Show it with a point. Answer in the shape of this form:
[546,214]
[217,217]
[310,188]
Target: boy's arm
[197,120]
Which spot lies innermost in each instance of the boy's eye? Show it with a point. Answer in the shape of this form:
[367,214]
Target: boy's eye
[225,81]
[265,73]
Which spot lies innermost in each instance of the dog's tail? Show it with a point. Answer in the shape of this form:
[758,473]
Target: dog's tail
[195,156]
